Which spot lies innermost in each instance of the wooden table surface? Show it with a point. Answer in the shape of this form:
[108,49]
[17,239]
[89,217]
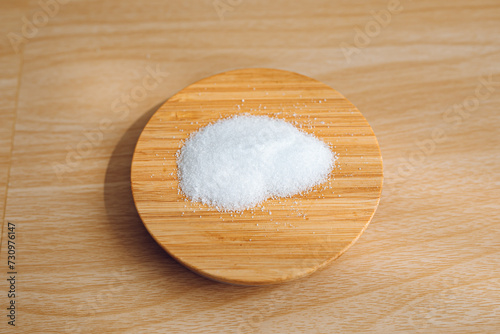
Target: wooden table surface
[78,84]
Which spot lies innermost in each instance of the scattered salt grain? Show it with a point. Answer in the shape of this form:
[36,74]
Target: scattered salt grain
[237,163]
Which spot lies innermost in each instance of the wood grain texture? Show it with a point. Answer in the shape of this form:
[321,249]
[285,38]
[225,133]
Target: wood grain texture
[281,239]
[429,260]
[10,67]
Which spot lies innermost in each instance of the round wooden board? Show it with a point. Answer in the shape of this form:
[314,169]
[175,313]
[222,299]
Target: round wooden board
[282,239]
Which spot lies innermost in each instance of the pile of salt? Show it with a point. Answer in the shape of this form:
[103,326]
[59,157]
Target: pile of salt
[239,162]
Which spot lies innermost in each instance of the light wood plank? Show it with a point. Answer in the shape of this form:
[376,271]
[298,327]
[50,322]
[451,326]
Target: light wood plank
[10,67]
[427,263]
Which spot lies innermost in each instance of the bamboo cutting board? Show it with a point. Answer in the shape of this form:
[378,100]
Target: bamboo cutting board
[282,239]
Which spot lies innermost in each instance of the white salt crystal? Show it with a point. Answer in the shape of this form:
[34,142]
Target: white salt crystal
[237,163]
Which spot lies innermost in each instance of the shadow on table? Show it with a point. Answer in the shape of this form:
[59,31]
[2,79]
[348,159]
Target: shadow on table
[123,217]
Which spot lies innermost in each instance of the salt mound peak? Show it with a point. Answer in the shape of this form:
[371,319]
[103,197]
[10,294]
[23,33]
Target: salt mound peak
[239,162]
